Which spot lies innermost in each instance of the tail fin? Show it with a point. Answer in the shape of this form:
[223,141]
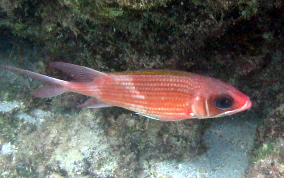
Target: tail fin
[55,88]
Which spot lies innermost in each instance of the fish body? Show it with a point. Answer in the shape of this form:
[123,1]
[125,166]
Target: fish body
[160,94]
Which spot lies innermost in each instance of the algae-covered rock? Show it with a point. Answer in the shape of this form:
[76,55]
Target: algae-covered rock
[117,35]
[142,4]
[268,157]
[88,144]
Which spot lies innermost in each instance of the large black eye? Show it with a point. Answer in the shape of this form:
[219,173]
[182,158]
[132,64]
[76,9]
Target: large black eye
[223,102]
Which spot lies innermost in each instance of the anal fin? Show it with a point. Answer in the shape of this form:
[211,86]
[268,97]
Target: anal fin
[94,103]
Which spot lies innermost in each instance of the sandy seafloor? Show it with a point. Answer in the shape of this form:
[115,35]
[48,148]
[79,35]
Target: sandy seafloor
[229,140]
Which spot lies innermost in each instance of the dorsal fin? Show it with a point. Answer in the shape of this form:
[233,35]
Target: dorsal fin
[79,73]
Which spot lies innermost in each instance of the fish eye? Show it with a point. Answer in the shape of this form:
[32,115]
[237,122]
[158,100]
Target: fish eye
[223,102]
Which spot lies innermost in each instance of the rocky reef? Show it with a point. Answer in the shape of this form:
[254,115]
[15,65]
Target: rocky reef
[237,41]
[38,143]
[267,159]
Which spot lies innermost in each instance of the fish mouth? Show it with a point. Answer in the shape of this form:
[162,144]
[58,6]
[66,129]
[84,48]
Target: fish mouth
[246,106]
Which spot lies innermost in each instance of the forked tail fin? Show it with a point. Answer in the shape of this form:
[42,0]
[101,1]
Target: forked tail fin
[55,88]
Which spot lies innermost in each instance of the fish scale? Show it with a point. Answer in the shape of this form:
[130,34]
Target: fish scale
[168,101]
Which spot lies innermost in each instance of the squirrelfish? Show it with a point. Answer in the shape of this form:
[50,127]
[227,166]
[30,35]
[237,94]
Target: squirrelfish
[164,95]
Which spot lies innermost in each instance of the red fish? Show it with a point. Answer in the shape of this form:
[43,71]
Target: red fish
[165,95]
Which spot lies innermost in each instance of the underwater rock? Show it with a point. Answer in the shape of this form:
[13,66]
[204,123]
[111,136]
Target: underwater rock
[10,106]
[88,143]
[142,4]
[108,35]
[268,156]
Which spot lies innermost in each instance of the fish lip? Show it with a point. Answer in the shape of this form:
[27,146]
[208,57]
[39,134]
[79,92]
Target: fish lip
[247,105]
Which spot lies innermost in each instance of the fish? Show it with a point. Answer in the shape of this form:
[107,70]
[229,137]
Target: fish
[165,95]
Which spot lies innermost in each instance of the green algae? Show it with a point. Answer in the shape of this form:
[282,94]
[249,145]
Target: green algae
[265,150]
[9,96]
[90,143]
[96,32]
[8,130]
[267,158]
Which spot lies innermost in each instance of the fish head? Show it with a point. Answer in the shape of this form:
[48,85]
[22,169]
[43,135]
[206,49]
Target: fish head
[219,99]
